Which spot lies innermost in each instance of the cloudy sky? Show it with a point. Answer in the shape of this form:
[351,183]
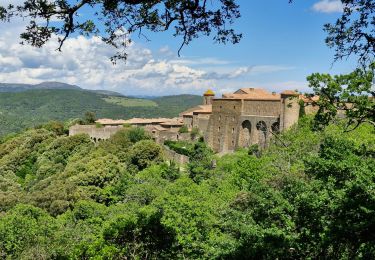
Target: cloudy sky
[283,43]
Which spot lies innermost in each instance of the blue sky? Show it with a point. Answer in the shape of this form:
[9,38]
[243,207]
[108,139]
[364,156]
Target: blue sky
[282,44]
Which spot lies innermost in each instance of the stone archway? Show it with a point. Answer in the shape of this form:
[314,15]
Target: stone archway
[275,127]
[262,133]
[245,135]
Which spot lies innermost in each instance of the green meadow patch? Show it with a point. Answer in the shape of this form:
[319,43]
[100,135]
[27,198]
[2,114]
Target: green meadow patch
[130,102]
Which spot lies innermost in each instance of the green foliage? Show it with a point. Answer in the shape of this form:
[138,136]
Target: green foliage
[131,102]
[57,127]
[26,232]
[98,125]
[89,118]
[200,162]
[194,132]
[308,195]
[181,147]
[351,95]
[137,134]
[183,129]
[144,153]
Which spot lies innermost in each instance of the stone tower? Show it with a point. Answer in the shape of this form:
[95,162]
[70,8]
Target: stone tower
[208,96]
[289,109]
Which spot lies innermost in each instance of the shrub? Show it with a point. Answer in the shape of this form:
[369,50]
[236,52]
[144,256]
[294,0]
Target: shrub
[194,133]
[183,129]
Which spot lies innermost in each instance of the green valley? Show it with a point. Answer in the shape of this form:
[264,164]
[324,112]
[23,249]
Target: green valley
[34,107]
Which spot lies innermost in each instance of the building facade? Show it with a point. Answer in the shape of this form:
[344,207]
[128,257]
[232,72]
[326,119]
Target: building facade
[243,118]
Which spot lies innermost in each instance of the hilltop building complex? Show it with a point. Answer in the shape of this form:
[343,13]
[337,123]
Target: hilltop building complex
[240,119]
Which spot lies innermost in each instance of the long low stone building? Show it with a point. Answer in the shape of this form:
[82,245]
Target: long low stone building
[161,129]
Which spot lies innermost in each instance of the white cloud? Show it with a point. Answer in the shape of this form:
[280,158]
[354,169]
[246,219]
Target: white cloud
[85,62]
[328,6]
[13,2]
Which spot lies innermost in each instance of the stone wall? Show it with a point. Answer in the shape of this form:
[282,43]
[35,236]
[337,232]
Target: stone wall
[241,123]
[262,107]
[188,121]
[202,121]
[224,122]
[176,157]
[162,136]
[95,133]
[310,109]
[290,112]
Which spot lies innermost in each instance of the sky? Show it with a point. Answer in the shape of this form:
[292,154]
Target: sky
[282,44]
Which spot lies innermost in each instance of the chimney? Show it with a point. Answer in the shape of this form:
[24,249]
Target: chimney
[273,93]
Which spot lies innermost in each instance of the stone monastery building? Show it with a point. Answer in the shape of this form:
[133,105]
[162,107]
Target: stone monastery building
[245,117]
[240,119]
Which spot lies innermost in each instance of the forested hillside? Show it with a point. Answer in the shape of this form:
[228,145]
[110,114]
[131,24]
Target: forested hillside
[309,195]
[16,87]
[30,108]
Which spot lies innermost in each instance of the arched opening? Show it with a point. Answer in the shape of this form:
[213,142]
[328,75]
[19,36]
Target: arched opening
[245,136]
[275,127]
[262,133]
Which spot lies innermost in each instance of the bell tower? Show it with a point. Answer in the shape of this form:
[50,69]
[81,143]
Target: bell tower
[208,96]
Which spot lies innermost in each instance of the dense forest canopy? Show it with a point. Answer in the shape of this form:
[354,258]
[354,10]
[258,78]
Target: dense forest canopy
[309,195]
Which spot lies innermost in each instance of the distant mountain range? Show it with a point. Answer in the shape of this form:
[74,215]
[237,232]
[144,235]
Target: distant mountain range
[17,87]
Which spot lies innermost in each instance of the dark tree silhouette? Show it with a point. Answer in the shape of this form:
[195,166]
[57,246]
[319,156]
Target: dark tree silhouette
[116,20]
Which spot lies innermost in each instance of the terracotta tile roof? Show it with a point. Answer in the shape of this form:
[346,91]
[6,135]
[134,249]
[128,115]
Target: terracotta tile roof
[146,120]
[289,92]
[173,122]
[252,94]
[308,99]
[258,91]
[107,121]
[205,109]
[155,128]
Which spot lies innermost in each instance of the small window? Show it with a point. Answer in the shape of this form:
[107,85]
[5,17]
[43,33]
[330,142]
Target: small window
[218,129]
[219,118]
[232,130]
[221,107]
[233,142]
[234,107]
